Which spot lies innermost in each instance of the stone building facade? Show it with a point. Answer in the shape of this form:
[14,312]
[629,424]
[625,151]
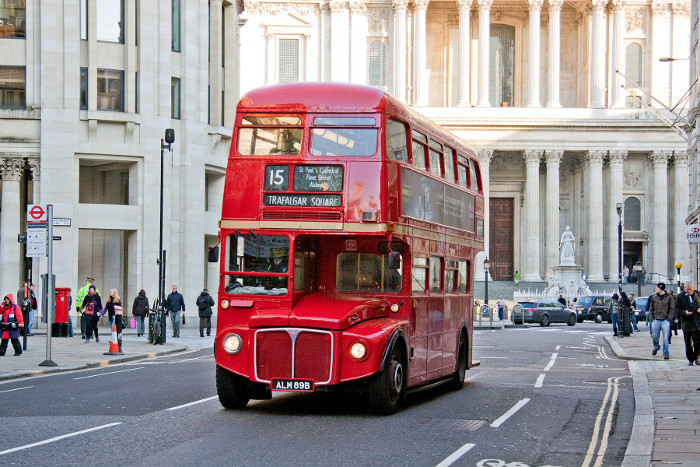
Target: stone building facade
[694,131]
[88,88]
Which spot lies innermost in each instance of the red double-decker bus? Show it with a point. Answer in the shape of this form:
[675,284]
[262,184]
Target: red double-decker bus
[348,235]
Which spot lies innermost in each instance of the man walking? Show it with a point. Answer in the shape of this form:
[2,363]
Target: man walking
[687,304]
[27,301]
[501,304]
[174,303]
[661,309]
[204,304]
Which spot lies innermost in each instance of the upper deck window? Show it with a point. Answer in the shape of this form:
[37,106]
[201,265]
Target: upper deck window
[270,136]
[343,141]
[396,147]
[419,145]
[435,158]
[344,121]
[449,165]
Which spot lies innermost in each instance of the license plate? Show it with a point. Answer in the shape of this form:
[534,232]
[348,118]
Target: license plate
[301,385]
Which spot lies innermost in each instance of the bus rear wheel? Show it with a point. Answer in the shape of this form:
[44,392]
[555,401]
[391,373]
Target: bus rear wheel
[457,381]
[232,389]
[388,387]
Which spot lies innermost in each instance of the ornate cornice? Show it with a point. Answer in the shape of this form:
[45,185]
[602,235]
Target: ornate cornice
[485,156]
[255,7]
[464,4]
[532,156]
[553,157]
[35,167]
[680,158]
[617,156]
[659,9]
[357,7]
[421,4]
[596,157]
[337,6]
[535,5]
[484,3]
[555,4]
[11,169]
[399,5]
[660,157]
[617,4]
[681,9]
[598,4]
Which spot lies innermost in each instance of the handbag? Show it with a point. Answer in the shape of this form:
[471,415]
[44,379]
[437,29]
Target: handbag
[123,323]
[183,319]
[133,323]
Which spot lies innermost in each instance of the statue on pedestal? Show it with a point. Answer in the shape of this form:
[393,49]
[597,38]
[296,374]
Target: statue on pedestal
[566,244]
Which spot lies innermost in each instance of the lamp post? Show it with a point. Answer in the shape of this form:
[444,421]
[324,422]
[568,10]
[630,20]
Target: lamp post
[487,266]
[678,266]
[164,144]
[638,268]
[618,207]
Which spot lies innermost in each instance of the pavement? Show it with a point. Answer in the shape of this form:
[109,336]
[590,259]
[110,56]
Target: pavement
[74,354]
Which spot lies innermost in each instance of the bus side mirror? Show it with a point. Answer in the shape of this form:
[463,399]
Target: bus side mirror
[213,254]
[394,260]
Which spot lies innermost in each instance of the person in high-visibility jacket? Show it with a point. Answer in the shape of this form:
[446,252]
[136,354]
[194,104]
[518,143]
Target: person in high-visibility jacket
[11,321]
[82,293]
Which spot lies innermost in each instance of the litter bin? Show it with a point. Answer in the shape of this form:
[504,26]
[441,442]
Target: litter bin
[59,328]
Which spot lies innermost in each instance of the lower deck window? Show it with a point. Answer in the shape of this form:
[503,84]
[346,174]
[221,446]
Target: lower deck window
[361,272]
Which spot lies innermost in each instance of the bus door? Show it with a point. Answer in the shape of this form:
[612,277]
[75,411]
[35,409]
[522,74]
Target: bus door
[436,312]
[420,312]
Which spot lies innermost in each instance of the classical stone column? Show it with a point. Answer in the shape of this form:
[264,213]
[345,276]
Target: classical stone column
[597,59]
[399,53]
[216,21]
[485,158]
[420,81]
[11,171]
[659,224]
[680,211]
[531,268]
[595,215]
[616,159]
[617,96]
[554,52]
[483,59]
[533,68]
[358,23]
[463,92]
[339,41]
[552,233]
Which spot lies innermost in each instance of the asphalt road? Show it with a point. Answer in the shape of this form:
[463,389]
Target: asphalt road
[542,396]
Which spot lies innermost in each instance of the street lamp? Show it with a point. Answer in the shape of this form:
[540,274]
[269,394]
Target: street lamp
[164,144]
[487,266]
[618,207]
[678,266]
[638,268]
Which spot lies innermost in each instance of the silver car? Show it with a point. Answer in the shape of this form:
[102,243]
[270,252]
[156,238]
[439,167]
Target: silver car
[544,312]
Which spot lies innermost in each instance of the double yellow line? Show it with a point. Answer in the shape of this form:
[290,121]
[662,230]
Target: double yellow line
[609,401]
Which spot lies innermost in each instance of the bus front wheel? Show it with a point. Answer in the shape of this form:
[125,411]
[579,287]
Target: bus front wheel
[457,381]
[232,389]
[387,388]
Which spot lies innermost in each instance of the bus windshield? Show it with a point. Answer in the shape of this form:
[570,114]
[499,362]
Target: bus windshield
[361,272]
[254,254]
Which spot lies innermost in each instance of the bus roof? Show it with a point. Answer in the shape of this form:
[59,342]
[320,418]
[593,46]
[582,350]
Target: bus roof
[339,98]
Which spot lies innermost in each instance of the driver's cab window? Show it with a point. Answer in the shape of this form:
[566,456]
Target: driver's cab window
[261,261]
[305,264]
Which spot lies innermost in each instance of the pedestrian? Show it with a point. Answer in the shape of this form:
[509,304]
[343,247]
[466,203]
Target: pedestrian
[561,300]
[687,304]
[11,321]
[139,310]
[27,301]
[70,320]
[516,277]
[92,310]
[115,311]
[501,304]
[661,309]
[204,304]
[174,303]
[626,304]
[625,275]
[82,293]
[674,321]
[613,310]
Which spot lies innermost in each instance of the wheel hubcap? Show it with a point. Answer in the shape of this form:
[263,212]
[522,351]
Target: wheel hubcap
[398,377]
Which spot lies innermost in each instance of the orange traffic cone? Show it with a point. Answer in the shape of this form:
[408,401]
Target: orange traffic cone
[113,343]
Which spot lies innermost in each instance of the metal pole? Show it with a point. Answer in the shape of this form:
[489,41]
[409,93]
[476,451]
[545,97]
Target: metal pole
[161,279]
[52,287]
[486,294]
[679,281]
[619,252]
[163,320]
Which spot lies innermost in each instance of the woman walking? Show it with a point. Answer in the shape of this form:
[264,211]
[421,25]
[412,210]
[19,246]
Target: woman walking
[115,312]
[613,309]
[92,310]
[139,310]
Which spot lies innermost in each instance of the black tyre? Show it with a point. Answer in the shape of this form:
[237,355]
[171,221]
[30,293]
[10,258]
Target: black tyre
[544,321]
[232,389]
[388,387]
[598,318]
[457,381]
[572,320]
[579,320]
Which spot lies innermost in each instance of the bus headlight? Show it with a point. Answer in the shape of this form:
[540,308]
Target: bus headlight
[232,344]
[358,350]
[225,304]
[394,308]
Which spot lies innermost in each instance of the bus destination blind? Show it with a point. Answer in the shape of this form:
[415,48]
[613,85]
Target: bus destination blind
[310,179]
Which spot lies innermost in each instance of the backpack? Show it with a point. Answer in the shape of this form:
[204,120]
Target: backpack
[202,302]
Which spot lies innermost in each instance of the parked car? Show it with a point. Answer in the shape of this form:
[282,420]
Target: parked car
[544,312]
[592,307]
[639,305]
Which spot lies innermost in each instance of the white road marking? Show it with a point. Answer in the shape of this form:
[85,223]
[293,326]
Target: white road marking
[110,373]
[449,460]
[192,403]
[58,438]
[540,380]
[510,413]
[551,362]
[16,389]
[612,387]
[557,347]
[190,359]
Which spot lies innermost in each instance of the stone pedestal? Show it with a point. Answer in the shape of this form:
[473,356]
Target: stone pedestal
[569,276]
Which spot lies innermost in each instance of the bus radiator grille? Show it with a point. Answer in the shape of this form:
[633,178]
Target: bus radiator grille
[310,357]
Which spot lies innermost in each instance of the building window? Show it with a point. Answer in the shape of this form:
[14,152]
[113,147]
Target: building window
[12,16]
[176,25]
[12,87]
[83,88]
[633,214]
[633,63]
[501,65]
[288,60]
[110,21]
[110,90]
[83,20]
[175,98]
[377,64]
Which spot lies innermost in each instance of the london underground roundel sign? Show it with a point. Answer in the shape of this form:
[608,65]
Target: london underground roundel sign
[692,233]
